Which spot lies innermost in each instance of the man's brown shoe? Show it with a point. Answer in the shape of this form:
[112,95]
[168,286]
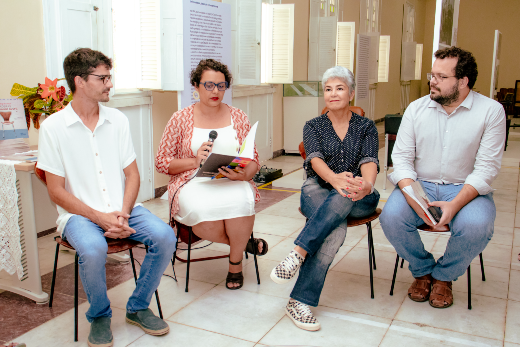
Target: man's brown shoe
[420,289]
[441,296]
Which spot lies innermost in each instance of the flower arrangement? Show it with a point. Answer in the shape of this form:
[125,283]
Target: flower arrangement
[45,99]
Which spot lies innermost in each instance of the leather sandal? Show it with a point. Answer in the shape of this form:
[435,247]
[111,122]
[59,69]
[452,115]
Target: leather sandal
[235,277]
[420,289]
[442,295]
[250,248]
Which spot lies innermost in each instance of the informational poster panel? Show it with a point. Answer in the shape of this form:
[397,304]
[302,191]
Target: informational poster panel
[12,119]
[207,34]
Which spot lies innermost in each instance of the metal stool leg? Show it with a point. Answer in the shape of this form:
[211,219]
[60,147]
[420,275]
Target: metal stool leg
[482,267]
[395,274]
[402,263]
[369,228]
[133,264]
[188,261]
[370,263]
[254,257]
[76,285]
[469,287]
[54,273]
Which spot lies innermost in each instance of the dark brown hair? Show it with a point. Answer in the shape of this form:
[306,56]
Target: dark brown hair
[209,64]
[81,62]
[466,63]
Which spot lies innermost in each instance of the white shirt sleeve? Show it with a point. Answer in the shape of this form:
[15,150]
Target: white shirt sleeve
[126,145]
[403,154]
[489,155]
[49,154]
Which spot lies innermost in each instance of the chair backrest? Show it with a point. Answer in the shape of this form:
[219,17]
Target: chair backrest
[516,99]
[40,174]
[356,109]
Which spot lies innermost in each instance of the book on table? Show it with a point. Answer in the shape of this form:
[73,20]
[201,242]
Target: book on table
[216,160]
[416,192]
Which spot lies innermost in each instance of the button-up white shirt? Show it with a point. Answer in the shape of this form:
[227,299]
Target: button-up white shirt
[91,162]
[464,147]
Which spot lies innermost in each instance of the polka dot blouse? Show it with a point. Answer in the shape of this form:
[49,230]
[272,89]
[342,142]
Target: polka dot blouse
[359,146]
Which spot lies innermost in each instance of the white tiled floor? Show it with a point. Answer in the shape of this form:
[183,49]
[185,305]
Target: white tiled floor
[210,315]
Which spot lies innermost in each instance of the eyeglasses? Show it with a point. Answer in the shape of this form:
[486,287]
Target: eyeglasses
[439,78]
[210,86]
[103,78]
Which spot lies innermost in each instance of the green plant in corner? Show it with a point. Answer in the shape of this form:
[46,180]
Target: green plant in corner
[45,99]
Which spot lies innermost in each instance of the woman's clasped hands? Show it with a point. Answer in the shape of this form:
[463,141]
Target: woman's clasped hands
[355,188]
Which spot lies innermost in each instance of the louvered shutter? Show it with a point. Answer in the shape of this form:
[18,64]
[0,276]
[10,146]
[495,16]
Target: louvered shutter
[345,44]
[172,76]
[384,58]
[314,29]
[373,57]
[362,71]
[149,45]
[327,44]
[408,55]
[418,60]
[248,39]
[277,43]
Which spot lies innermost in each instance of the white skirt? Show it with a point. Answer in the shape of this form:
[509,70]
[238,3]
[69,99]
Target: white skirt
[203,200]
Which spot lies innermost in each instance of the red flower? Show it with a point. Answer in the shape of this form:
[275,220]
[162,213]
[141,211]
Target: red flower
[49,89]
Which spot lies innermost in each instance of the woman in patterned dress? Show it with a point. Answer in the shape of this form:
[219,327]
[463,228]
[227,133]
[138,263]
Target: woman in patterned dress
[341,167]
[220,210]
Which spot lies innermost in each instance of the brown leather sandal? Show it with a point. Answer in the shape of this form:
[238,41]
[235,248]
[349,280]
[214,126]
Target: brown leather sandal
[442,295]
[420,289]
[235,277]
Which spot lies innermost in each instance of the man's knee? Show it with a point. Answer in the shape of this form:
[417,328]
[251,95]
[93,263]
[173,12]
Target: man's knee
[92,253]
[164,237]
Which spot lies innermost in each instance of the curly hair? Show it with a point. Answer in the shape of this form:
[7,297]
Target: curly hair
[343,74]
[82,62]
[466,63]
[209,64]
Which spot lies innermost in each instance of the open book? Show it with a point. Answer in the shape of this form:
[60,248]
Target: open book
[416,192]
[245,155]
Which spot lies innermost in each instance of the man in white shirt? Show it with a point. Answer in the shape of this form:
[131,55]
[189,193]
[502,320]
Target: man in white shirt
[92,176]
[452,141]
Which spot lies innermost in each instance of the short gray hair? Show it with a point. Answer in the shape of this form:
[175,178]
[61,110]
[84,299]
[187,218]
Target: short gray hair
[343,74]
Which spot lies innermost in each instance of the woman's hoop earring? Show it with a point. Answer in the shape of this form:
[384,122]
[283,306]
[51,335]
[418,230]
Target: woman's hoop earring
[196,95]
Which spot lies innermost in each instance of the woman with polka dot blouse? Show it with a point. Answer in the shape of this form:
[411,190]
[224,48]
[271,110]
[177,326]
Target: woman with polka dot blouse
[341,167]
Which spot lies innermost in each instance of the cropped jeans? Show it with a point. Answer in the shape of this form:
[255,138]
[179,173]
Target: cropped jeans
[471,229]
[323,234]
[91,246]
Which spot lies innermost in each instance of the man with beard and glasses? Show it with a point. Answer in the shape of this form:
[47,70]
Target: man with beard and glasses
[87,153]
[451,141]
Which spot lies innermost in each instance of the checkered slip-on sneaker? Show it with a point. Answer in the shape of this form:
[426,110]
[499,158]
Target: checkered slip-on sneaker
[286,270]
[302,315]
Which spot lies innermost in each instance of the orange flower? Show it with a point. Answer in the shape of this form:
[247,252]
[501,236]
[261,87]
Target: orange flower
[49,89]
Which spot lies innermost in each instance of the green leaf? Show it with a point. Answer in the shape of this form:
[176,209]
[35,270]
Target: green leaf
[68,98]
[39,103]
[18,90]
[38,111]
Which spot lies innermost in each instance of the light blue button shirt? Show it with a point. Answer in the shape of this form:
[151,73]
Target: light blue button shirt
[464,147]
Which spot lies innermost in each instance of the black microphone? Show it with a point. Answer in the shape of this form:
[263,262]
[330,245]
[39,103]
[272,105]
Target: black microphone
[212,136]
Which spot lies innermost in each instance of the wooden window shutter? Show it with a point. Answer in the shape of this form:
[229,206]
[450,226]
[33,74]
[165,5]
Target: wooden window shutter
[345,44]
[277,43]
[327,44]
[384,58]
[149,45]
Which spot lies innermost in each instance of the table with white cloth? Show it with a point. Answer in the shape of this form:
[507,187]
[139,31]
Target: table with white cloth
[29,284]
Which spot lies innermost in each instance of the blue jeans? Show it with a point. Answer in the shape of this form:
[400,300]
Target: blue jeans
[471,229]
[323,234]
[91,246]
